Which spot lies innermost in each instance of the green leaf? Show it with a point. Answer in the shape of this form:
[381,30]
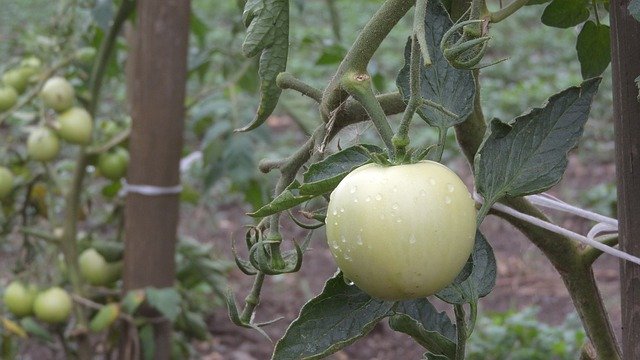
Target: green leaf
[199,28]
[482,278]
[165,300]
[566,13]
[530,155]
[132,301]
[268,32]
[325,175]
[34,328]
[331,54]
[537,2]
[634,9]
[440,83]
[430,328]
[334,319]
[147,342]
[289,198]
[594,49]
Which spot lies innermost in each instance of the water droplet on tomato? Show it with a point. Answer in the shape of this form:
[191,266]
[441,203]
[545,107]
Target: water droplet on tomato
[359,240]
[395,206]
[423,193]
[398,220]
[378,197]
[341,210]
[335,223]
[355,200]
[432,181]
[450,187]
[395,189]
[343,239]
[412,239]
[367,199]
[353,189]
[447,200]
[335,212]
[347,257]
[334,245]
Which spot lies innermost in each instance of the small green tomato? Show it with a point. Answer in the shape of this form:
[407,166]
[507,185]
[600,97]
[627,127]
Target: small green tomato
[17,79]
[53,305]
[19,298]
[58,94]
[401,232]
[43,144]
[8,98]
[76,126]
[113,164]
[6,182]
[96,270]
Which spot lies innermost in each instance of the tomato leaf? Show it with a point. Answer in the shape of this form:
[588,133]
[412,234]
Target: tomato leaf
[165,300]
[289,198]
[334,319]
[634,9]
[594,49]
[566,13]
[430,328]
[482,278]
[529,155]
[325,175]
[267,33]
[31,326]
[450,88]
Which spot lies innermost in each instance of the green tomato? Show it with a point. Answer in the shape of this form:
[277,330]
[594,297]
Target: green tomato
[8,98]
[96,270]
[401,232]
[43,144]
[31,62]
[17,79]
[58,94]
[113,164]
[19,299]
[53,305]
[86,55]
[76,126]
[6,182]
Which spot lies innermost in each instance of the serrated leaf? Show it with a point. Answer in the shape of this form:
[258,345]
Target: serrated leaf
[165,300]
[634,9]
[268,32]
[530,155]
[430,328]
[566,13]
[594,49]
[289,198]
[325,175]
[334,319]
[482,278]
[440,83]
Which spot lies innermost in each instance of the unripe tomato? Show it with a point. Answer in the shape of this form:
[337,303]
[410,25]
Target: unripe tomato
[19,298]
[401,232]
[76,126]
[86,55]
[53,305]
[113,164]
[31,62]
[58,94]
[17,79]
[96,270]
[6,182]
[8,98]
[43,144]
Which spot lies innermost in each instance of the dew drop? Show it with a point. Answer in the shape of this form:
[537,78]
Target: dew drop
[341,210]
[335,245]
[378,197]
[395,189]
[367,199]
[412,239]
[432,181]
[335,223]
[359,240]
[423,193]
[348,282]
[355,200]
[335,212]
[353,189]
[347,257]
[343,239]
[398,220]
[450,187]
[395,206]
[447,200]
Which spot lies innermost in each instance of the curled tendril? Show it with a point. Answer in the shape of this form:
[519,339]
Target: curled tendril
[466,50]
[303,225]
[263,258]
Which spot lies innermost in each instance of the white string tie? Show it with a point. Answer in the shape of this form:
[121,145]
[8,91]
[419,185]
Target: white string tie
[149,190]
[605,224]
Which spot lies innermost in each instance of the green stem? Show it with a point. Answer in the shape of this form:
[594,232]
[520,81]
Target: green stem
[358,85]
[508,10]
[591,254]
[401,139]
[442,139]
[473,316]
[595,11]
[461,329]
[334,13]
[420,30]
[113,142]
[253,299]
[285,80]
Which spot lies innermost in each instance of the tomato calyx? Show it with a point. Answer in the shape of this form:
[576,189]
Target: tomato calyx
[265,255]
[467,50]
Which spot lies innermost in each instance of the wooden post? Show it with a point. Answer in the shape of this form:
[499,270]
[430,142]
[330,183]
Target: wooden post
[625,51]
[157,95]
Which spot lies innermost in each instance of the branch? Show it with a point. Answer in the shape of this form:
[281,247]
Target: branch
[285,80]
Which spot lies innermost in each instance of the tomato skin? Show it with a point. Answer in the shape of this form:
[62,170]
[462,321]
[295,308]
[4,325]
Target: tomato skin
[53,305]
[19,298]
[113,164]
[8,97]
[58,94]
[401,232]
[96,270]
[76,126]
[43,144]
[6,182]
[17,79]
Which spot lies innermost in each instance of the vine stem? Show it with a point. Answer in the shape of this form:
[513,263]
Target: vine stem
[401,138]
[285,80]
[253,299]
[507,11]
[442,139]
[461,329]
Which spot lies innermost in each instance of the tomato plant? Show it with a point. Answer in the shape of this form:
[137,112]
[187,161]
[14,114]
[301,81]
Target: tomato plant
[53,305]
[401,232]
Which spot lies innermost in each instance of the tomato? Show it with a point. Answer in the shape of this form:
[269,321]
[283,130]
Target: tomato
[76,126]
[53,305]
[17,79]
[6,182]
[113,164]
[58,94]
[401,232]
[96,270]
[86,55]
[43,144]
[8,98]
[19,298]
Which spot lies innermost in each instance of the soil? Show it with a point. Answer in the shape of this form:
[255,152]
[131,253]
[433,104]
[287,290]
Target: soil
[525,278]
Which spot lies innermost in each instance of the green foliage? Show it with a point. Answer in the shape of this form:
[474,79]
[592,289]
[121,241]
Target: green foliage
[593,42]
[520,336]
[634,9]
